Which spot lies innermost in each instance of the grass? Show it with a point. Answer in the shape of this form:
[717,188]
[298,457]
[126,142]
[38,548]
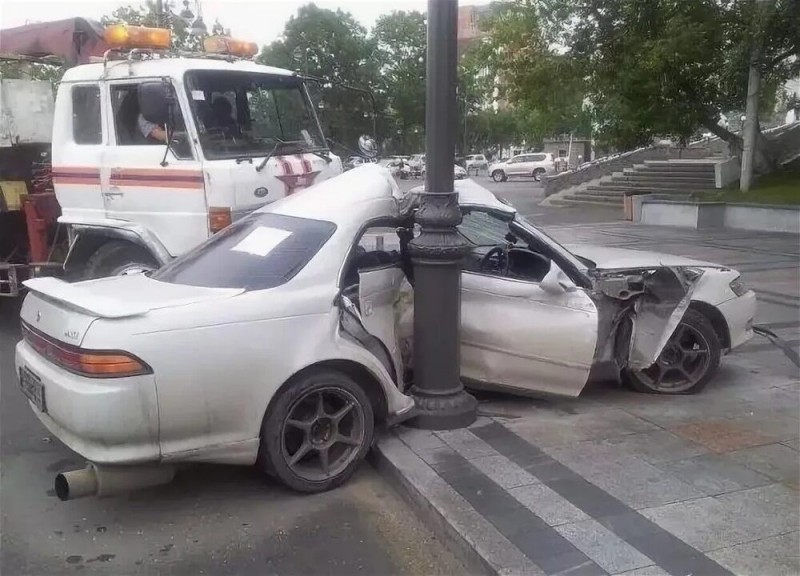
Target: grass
[781,187]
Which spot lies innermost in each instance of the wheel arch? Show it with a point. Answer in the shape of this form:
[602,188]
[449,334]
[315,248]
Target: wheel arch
[716,319]
[358,372]
[88,239]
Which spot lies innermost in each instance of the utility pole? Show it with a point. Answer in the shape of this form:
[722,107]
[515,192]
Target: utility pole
[437,253]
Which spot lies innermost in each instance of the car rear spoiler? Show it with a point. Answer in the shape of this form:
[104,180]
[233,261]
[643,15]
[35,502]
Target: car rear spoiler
[83,300]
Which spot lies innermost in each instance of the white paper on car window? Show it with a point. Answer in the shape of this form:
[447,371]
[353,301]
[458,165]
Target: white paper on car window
[262,241]
[198,95]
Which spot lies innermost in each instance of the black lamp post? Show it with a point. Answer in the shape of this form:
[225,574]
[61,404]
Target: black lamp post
[437,253]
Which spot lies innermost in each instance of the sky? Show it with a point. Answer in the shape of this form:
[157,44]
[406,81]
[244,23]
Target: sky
[259,21]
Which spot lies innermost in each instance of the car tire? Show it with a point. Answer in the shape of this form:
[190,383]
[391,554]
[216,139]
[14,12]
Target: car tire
[538,173]
[499,176]
[296,431]
[117,258]
[693,367]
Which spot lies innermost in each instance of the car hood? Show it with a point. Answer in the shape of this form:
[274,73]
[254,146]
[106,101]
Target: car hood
[612,258]
[122,296]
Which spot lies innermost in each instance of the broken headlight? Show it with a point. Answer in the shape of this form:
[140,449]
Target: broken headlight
[737,286]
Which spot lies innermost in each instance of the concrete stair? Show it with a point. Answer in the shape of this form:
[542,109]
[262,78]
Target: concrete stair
[674,177]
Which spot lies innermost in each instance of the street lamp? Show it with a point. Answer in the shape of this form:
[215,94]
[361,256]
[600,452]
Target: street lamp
[437,253]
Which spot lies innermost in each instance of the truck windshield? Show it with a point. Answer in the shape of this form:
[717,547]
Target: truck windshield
[245,114]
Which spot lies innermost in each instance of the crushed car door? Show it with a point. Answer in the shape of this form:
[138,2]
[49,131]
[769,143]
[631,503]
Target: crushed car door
[517,337]
[372,322]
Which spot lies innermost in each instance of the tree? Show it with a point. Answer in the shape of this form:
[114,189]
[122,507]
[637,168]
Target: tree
[669,67]
[332,46]
[545,86]
[400,41]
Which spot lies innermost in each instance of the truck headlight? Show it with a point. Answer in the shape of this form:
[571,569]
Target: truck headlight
[738,287]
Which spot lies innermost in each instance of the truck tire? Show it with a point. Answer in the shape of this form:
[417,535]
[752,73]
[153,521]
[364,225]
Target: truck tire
[116,258]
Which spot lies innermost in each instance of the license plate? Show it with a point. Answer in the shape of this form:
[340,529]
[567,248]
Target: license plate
[31,385]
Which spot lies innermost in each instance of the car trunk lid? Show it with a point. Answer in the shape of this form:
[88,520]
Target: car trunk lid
[65,311]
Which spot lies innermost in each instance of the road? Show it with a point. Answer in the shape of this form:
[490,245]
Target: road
[210,520]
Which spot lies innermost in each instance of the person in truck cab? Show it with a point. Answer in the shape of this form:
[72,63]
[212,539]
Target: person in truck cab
[154,133]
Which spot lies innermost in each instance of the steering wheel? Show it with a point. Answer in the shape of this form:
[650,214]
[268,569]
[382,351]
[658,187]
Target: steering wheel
[498,253]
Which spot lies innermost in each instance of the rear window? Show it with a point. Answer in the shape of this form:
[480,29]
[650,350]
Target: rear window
[537,157]
[258,252]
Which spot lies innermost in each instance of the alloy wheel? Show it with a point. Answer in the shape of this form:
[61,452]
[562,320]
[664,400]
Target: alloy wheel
[322,433]
[682,363]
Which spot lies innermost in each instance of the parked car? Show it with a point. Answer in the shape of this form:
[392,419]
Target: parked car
[286,338]
[417,165]
[459,173]
[529,164]
[476,162]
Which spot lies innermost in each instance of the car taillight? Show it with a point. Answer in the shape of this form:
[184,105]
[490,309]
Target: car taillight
[218,218]
[91,363]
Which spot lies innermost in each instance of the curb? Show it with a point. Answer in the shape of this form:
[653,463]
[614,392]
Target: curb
[473,538]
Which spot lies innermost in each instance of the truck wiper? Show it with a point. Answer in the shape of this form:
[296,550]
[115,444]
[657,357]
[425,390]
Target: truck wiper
[263,163]
[322,153]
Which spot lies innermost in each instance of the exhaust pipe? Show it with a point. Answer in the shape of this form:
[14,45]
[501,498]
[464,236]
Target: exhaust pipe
[108,480]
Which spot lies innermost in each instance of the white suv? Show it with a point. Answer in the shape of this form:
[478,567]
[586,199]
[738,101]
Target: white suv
[527,164]
[476,162]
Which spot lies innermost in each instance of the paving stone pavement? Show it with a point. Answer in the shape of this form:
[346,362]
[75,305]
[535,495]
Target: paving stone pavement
[616,482]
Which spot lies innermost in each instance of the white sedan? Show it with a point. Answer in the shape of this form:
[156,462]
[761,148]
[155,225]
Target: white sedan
[284,340]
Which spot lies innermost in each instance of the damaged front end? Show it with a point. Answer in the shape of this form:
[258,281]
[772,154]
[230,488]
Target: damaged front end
[639,310]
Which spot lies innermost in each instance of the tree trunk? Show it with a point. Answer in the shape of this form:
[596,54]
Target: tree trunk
[765,160]
[750,130]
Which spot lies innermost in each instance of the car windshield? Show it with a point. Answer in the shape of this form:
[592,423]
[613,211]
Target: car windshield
[258,252]
[246,114]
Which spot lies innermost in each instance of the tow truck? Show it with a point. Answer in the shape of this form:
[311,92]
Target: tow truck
[101,192]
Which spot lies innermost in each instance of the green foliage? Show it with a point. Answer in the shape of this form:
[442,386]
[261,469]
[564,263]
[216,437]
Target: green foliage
[332,46]
[639,69]
[400,50]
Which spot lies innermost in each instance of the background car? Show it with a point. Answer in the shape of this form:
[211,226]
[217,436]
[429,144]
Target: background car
[459,173]
[476,162]
[528,164]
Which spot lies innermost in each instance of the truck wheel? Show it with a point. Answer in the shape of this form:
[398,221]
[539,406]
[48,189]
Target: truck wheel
[117,258]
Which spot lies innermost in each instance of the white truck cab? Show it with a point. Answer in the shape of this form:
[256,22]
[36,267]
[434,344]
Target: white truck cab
[241,135]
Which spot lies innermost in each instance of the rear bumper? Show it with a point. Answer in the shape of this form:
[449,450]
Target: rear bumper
[739,313]
[107,421]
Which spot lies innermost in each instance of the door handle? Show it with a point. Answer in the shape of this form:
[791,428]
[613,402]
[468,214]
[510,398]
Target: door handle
[110,194]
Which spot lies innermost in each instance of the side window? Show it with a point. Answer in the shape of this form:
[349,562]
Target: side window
[86,125]
[483,229]
[537,157]
[130,125]
[378,246]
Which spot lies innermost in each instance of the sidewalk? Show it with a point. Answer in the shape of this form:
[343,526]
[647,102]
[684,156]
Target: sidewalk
[616,482]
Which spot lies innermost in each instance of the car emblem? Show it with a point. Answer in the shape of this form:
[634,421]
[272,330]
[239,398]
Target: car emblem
[38,315]
[260,192]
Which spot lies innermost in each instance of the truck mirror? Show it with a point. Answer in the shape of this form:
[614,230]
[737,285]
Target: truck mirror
[155,99]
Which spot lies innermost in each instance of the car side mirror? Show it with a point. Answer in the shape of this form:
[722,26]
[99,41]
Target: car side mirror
[155,100]
[556,282]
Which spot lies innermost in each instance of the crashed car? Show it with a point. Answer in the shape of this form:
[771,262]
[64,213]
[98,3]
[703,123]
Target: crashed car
[286,338]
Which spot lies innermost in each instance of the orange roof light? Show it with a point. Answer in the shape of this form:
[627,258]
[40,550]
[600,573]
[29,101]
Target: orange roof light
[124,36]
[225,45]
